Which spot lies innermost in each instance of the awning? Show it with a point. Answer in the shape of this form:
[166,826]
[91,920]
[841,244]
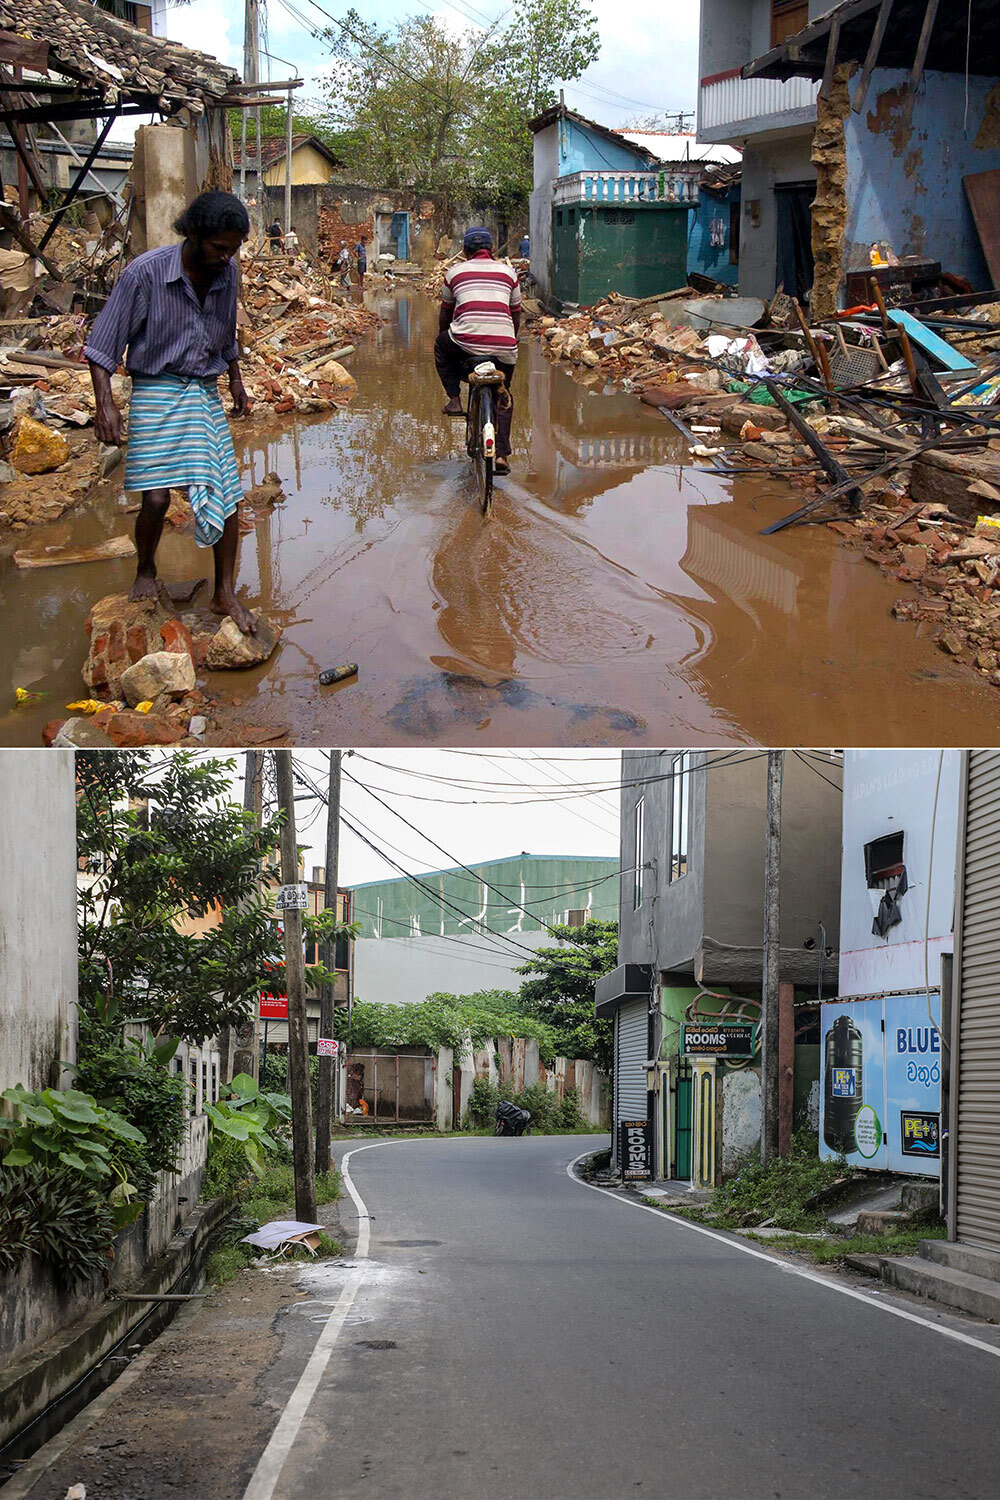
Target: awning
[627,982]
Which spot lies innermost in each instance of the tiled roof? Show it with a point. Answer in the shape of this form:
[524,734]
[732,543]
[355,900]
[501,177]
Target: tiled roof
[273,150]
[95,48]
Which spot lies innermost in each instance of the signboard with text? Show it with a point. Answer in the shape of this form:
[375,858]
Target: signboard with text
[636,1150]
[725,1039]
[274,1007]
[327,1046]
[292,898]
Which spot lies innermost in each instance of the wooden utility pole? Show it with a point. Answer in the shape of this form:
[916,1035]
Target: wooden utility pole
[295,987]
[770,995]
[328,1065]
[288,167]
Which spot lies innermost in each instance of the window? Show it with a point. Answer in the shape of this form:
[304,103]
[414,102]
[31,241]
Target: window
[576,917]
[787,17]
[884,861]
[414,924]
[622,216]
[638,857]
[378,916]
[680,808]
[559,214]
[571,216]
[734,234]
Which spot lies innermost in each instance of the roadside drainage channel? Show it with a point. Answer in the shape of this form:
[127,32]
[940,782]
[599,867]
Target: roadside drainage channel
[67,1374]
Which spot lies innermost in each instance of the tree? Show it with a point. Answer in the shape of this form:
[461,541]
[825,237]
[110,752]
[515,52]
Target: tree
[312,120]
[445,112]
[561,993]
[168,845]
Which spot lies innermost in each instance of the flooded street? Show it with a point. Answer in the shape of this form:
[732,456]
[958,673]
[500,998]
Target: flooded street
[614,597]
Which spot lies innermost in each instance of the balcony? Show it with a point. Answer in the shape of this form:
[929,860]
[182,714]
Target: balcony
[731,107]
[625,189]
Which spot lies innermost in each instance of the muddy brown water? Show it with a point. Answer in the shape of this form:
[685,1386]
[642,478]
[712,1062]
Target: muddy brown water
[618,594]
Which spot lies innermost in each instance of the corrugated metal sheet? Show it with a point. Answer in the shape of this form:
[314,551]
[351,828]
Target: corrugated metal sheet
[735,100]
[977,1121]
[630,1060]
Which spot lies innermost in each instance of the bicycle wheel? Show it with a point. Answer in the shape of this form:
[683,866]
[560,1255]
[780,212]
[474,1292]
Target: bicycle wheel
[484,463]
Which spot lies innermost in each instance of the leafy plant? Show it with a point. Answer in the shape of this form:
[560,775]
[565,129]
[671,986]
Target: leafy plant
[249,1117]
[56,1128]
[782,1192]
[58,1215]
[483,1100]
[445,1021]
[559,990]
[132,1080]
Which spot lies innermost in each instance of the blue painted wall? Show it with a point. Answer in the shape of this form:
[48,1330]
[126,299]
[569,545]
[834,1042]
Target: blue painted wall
[712,260]
[905,185]
[582,150]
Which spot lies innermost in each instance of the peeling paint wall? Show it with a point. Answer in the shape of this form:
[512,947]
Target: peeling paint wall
[766,165]
[740,1124]
[829,211]
[904,183]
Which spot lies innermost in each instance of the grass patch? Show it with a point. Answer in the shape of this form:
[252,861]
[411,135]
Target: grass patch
[832,1251]
[785,1193]
[259,1201]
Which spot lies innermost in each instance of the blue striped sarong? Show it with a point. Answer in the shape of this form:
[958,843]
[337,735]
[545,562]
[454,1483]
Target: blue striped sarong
[178,436]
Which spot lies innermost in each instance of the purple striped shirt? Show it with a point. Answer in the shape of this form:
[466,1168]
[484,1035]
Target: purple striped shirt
[154,312]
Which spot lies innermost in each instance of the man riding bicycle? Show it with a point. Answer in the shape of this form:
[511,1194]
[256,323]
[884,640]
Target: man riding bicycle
[480,317]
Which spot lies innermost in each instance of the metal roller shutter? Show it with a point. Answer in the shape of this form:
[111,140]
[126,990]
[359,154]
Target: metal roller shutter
[630,1060]
[977,1133]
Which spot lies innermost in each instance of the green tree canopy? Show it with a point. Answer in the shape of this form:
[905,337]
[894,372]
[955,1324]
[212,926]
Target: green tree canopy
[166,842]
[422,106]
[560,989]
[444,1021]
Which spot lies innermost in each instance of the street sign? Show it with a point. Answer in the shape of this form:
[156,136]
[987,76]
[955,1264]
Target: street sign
[274,1007]
[292,898]
[726,1039]
[327,1046]
[636,1150]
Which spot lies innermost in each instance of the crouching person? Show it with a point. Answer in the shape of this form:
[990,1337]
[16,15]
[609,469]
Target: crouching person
[174,311]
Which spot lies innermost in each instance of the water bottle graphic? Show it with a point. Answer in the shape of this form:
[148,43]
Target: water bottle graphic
[843,1085]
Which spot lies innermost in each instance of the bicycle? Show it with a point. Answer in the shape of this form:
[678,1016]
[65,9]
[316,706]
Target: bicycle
[486,391]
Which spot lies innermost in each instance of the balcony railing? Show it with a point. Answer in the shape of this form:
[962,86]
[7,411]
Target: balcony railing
[731,103]
[620,189]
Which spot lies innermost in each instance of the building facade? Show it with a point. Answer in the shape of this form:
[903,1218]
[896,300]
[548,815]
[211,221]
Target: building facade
[690,945]
[459,931]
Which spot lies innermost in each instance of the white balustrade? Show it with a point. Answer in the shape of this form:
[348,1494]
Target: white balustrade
[624,188]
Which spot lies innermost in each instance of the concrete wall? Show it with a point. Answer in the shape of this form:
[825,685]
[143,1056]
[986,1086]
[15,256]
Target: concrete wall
[666,930]
[38,972]
[904,183]
[546,170]
[725,38]
[584,150]
[766,163]
[739,1126]
[892,791]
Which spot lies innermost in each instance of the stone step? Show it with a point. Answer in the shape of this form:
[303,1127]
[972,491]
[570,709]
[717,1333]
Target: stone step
[925,1278]
[868,1265]
[968,1258]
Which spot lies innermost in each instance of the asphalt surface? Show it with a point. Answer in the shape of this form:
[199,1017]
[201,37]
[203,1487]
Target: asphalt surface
[516,1335]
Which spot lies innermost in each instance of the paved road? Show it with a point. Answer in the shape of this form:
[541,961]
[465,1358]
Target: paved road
[549,1341]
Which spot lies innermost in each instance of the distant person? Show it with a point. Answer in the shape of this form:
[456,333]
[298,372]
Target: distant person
[479,318]
[524,248]
[274,237]
[174,310]
[291,241]
[361,260]
[344,264]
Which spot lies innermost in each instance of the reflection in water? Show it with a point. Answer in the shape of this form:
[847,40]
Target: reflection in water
[615,595]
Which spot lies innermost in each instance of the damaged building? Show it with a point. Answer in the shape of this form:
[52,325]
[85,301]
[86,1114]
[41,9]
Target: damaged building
[871,137]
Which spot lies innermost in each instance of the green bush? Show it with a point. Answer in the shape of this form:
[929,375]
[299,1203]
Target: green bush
[483,1102]
[135,1084]
[781,1191]
[59,1215]
[569,1115]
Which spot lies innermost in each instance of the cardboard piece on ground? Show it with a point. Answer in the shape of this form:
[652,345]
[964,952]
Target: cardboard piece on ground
[282,1234]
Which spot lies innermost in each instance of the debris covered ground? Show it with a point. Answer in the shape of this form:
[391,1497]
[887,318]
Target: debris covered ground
[884,420]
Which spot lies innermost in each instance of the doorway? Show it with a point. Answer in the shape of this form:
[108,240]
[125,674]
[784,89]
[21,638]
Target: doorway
[682,1122]
[793,207]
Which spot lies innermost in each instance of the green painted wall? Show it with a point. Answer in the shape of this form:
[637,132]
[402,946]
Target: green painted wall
[548,886]
[638,251]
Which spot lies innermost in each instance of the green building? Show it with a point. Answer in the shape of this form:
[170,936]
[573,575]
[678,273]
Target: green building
[637,250]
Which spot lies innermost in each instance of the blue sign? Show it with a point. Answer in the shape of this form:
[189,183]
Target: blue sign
[913,1082]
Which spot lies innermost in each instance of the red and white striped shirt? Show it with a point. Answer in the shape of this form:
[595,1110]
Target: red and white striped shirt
[484,292]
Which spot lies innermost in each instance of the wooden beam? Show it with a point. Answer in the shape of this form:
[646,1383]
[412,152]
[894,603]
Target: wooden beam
[917,71]
[831,59]
[871,58]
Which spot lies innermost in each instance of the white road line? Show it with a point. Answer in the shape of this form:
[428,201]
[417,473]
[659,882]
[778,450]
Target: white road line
[786,1266]
[272,1460]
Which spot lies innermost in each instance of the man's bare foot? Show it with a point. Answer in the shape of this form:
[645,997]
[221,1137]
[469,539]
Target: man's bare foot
[454,407]
[145,587]
[228,604]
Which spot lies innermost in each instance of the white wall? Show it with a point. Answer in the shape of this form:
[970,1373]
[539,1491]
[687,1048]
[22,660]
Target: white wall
[886,791]
[405,970]
[38,973]
[766,163]
[546,170]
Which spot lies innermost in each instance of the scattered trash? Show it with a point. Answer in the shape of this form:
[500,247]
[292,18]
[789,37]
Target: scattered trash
[338,674]
[284,1235]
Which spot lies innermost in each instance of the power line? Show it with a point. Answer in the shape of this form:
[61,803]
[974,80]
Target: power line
[817,771]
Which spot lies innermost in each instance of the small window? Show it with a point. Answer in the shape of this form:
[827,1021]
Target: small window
[623,216]
[680,810]
[884,861]
[734,234]
[559,214]
[571,216]
[414,924]
[576,917]
[638,858]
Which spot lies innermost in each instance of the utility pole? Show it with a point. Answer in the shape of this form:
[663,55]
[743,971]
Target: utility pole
[251,74]
[770,992]
[295,986]
[328,1065]
[288,170]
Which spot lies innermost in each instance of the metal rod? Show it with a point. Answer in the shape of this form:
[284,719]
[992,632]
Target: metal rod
[77,182]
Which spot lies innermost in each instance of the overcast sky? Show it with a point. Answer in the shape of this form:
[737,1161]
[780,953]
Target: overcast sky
[648,61]
[484,806]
